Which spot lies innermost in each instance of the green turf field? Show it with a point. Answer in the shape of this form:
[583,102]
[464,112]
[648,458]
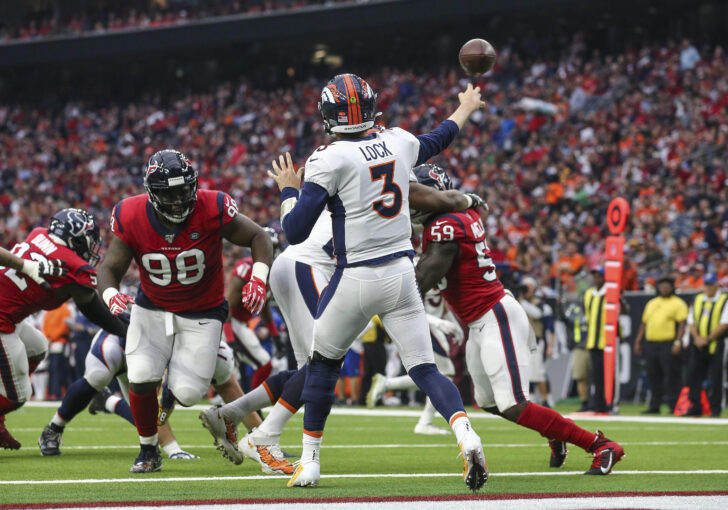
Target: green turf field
[99,450]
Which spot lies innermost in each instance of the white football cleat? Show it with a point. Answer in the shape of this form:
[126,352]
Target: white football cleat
[475,470]
[376,390]
[429,429]
[224,432]
[307,474]
[183,455]
[263,448]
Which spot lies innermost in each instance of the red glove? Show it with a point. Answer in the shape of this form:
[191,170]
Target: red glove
[254,295]
[116,301]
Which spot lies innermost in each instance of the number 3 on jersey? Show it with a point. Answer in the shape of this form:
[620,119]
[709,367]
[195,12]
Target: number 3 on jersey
[386,171]
[189,265]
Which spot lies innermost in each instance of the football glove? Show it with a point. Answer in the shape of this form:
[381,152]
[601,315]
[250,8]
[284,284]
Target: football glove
[116,301]
[476,202]
[37,270]
[254,295]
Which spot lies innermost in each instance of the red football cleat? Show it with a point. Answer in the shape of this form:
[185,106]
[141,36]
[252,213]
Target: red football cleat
[7,441]
[606,454]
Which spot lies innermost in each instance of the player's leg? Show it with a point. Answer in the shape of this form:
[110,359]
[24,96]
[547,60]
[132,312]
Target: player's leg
[36,344]
[504,354]
[15,388]
[254,353]
[405,321]
[149,344]
[339,321]
[103,361]
[425,424]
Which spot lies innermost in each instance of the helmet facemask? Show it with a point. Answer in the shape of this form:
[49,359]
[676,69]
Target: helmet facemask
[174,204]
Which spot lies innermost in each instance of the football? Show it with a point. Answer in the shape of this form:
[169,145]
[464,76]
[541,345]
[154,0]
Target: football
[477,57]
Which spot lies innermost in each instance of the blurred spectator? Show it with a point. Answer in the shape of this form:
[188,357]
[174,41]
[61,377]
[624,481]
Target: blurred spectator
[689,56]
[56,328]
[541,318]
[662,327]
[708,323]
[374,353]
[576,333]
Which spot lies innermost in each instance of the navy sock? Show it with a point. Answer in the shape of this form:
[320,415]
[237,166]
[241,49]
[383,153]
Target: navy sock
[122,409]
[275,383]
[293,388]
[78,396]
[318,394]
[442,392]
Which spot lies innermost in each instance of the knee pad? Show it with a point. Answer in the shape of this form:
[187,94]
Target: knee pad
[187,396]
[320,382]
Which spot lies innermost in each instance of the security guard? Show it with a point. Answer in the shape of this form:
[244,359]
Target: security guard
[663,325]
[708,323]
[596,314]
[576,335]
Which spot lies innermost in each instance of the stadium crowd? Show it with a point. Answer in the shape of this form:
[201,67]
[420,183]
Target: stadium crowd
[155,14]
[557,141]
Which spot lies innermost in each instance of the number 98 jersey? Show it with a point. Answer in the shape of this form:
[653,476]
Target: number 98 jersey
[180,268]
[471,286]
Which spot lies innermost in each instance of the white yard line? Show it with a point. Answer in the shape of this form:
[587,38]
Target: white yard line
[383,475]
[338,411]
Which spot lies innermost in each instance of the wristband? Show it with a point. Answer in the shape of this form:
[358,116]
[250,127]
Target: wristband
[109,294]
[260,270]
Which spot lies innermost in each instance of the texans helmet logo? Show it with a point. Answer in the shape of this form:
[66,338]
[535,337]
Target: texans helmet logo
[440,177]
[152,169]
[79,222]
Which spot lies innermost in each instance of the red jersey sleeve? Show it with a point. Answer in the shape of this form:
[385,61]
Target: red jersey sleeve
[227,208]
[84,275]
[444,229]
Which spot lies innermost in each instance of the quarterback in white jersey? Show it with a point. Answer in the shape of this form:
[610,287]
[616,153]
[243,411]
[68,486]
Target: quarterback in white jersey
[364,180]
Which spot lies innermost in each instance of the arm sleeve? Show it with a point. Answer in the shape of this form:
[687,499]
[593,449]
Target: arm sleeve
[96,312]
[436,141]
[300,221]
[118,227]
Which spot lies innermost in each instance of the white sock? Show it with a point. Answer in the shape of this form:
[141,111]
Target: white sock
[461,426]
[111,403]
[58,421]
[171,448]
[149,439]
[428,413]
[550,400]
[238,409]
[311,448]
[403,382]
[276,420]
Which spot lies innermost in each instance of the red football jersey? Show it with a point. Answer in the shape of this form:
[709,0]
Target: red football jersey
[242,270]
[180,268]
[20,296]
[471,286]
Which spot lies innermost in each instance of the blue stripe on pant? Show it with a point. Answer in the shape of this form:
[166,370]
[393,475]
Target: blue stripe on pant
[507,339]
[307,286]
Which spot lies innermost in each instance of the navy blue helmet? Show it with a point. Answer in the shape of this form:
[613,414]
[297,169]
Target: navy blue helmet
[348,105]
[80,231]
[434,177]
[171,183]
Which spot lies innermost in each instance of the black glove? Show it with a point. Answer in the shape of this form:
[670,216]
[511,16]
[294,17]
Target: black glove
[476,202]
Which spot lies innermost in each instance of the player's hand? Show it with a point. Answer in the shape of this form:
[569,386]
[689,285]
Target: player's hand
[470,98]
[118,302]
[676,348]
[38,270]
[476,202]
[701,342]
[254,295]
[285,174]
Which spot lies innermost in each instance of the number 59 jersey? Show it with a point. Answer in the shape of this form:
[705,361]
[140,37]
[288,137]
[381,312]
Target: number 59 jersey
[20,296]
[367,180]
[181,268]
[471,286]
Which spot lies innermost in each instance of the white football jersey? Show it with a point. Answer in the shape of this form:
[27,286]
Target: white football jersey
[368,182]
[314,250]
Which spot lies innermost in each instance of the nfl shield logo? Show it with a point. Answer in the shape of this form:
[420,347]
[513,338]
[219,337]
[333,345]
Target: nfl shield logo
[169,238]
[195,236]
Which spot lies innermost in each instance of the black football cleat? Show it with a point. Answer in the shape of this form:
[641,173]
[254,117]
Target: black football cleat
[558,453]
[148,461]
[98,403]
[50,440]
[606,454]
